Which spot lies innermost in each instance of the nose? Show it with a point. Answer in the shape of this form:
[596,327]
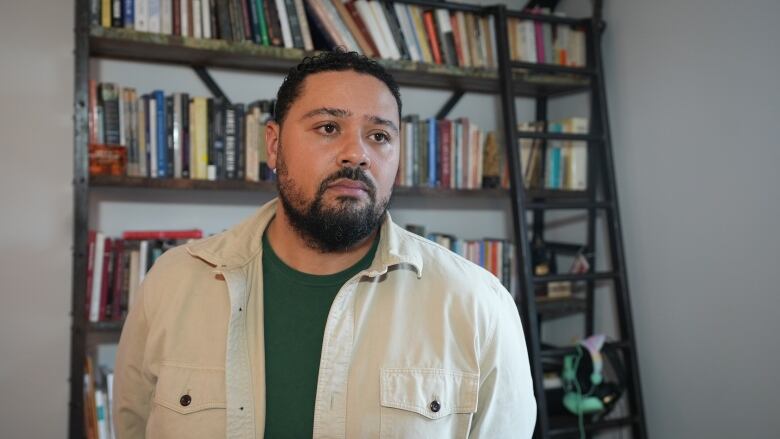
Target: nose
[354,154]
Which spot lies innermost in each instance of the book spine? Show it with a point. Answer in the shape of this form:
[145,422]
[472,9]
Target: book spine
[223,30]
[154,13]
[432,147]
[162,141]
[116,14]
[105,280]
[174,129]
[220,113]
[394,25]
[419,27]
[119,274]
[230,142]
[128,16]
[138,235]
[300,11]
[172,156]
[254,21]
[92,235]
[295,26]
[205,18]
[246,24]
[166,17]
[361,25]
[211,117]
[352,27]
[447,43]
[407,28]
[176,16]
[384,28]
[262,29]
[240,141]
[186,140]
[430,29]
[274,25]
[284,21]
[446,151]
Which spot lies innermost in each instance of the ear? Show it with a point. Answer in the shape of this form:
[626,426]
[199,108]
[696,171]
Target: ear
[272,133]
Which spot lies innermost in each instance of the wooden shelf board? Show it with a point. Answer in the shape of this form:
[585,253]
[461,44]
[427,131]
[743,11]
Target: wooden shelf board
[143,46]
[105,181]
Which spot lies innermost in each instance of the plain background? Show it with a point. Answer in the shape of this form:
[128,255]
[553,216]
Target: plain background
[694,108]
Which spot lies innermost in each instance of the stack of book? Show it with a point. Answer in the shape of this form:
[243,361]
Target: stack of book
[555,164]
[178,136]
[546,43]
[98,402]
[447,154]
[494,255]
[374,28]
[115,268]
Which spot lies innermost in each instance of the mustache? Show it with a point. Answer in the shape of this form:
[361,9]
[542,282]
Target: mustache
[355,174]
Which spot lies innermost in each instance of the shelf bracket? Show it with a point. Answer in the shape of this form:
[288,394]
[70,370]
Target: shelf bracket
[451,102]
[212,85]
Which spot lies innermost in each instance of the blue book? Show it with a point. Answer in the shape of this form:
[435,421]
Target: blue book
[129,15]
[161,134]
[432,152]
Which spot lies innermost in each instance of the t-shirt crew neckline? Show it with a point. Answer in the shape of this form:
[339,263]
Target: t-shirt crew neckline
[318,279]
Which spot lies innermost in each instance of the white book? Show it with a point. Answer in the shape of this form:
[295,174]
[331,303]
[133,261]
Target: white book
[143,260]
[141,13]
[184,17]
[152,118]
[577,168]
[402,12]
[367,14]
[154,11]
[303,22]
[285,23]
[492,36]
[252,131]
[166,17]
[110,405]
[205,18]
[384,28]
[177,135]
[100,408]
[197,27]
[97,277]
[341,28]
[529,41]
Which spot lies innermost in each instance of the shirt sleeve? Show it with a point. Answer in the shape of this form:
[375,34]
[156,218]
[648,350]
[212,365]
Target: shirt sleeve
[506,406]
[132,386]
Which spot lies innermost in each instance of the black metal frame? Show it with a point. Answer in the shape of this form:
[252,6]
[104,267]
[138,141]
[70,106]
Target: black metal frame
[600,181]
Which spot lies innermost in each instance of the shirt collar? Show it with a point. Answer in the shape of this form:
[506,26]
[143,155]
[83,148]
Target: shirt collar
[241,244]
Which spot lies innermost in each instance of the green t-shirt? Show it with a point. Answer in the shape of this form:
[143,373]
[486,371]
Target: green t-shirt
[295,308]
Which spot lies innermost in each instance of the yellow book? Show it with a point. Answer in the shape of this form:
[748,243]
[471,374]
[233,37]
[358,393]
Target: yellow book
[201,138]
[105,13]
[421,36]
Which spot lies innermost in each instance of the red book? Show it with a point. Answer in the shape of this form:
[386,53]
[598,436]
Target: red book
[105,276]
[361,25]
[119,274]
[90,267]
[247,25]
[445,149]
[190,19]
[162,234]
[458,42]
[430,30]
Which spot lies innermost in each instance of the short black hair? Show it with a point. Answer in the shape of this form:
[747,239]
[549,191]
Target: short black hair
[336,60]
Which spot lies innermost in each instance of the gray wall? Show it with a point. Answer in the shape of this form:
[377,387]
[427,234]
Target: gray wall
[692,101]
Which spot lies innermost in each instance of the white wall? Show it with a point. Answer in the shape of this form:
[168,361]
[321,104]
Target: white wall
[691,118]
[695,106]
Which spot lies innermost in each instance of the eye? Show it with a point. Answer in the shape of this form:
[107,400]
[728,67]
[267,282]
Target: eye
[328,128]
[380,137]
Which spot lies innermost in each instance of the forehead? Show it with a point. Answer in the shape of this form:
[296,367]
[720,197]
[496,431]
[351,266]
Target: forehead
[359,93]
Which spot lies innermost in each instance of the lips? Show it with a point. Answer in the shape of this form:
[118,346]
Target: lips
[347,184]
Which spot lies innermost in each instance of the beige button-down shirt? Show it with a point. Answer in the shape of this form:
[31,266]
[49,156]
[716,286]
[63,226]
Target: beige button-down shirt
[422,344]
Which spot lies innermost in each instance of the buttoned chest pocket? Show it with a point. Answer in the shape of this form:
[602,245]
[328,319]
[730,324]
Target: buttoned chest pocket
[189,401]
[427,403]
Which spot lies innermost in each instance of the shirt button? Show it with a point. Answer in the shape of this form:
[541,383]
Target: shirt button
[185,400]
[435,406]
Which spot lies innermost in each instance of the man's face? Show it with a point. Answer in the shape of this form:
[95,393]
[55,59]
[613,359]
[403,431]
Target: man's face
[336,157]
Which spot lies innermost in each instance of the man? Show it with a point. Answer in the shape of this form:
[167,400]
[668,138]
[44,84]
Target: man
[319,317]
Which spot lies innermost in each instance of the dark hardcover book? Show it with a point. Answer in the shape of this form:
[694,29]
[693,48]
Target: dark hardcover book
[219,138]
[169,126]
[116,13]
[273,24]
[245,19]
[433,146]
[445,150]
[105,285]
[214,20]
[94,12]
[108,100]
[262,22]
[162,138]
[223,20]
[210,119]
[446,37]
[254,24]
[176,16]
[422,154]
[186,147]
[240,141]
[236,19]
[128,14]
[321,38]
[147,137]
[230,142]
[118,275]
[295,25]
[395,29]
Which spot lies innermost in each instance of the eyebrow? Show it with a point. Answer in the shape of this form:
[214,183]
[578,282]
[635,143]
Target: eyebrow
[341,113]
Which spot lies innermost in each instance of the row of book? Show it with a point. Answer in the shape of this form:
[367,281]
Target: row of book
[178,136]
[116,266]
[447,154]
[98,401]
[555,164]
[495,255]
[376,28]
[537,42]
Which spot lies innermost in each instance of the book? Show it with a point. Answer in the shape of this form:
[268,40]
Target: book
[308,44]
[430,30]
[384,29]
[353,28]
[394,25]
[361,25]
[446,37]
[295,25]
[284,21]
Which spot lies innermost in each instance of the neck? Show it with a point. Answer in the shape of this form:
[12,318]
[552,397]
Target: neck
[294,251]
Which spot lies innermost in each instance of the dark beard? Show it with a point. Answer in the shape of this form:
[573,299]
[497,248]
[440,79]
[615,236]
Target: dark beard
[333,229]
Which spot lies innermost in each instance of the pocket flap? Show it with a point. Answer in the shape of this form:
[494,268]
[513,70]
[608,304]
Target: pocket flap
[187,389]
[433,393]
